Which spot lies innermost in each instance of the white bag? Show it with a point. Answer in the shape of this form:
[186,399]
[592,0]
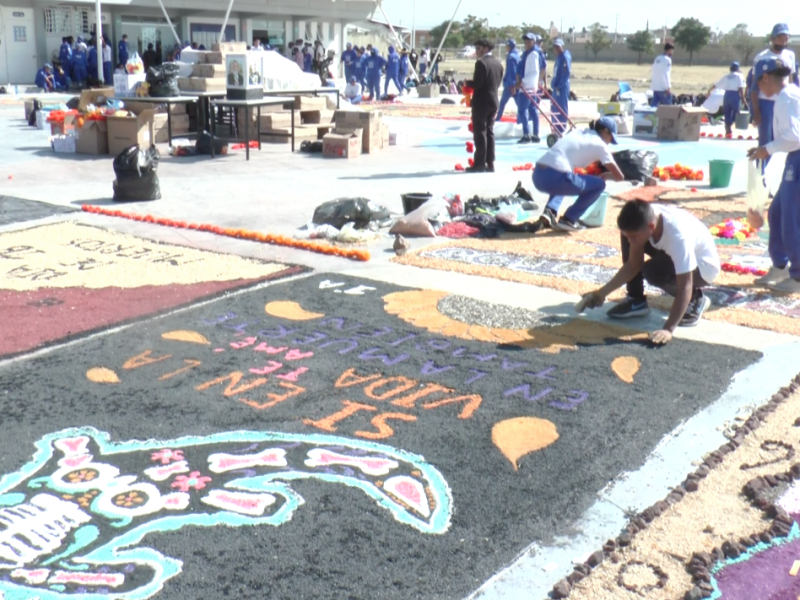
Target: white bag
[757,192]
[39,120]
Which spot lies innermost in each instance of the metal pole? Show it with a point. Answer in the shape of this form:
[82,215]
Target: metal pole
[411,69]
[414,27]
[225,22]
[98,40]
[446,32]
[171,26]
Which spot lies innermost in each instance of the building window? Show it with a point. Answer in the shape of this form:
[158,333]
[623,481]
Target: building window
[58,21]
[82,21]
[20,33]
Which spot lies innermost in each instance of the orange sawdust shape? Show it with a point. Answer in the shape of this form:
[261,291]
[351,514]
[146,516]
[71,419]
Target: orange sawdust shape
[518,437]
[625,367]
[421,309]
[185,336]
[102,375]
[648,194]
[291,311]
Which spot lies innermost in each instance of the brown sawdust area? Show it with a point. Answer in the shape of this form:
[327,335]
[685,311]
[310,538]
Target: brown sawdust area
[575,247]
[701,521]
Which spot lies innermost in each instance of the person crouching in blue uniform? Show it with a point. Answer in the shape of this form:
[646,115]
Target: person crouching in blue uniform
[734,85]
[784,213]
[510,78]
[44,78]
[560,85]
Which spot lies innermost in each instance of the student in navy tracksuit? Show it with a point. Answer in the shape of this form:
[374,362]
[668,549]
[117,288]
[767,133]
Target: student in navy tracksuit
[771,77]
[65,58]
[510,77]
[560,85]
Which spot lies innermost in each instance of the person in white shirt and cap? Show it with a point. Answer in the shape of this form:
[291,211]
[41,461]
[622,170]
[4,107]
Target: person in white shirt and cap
[771,77]
[761,104]
[661,77]
[352,91]
[733,84]
[528,82]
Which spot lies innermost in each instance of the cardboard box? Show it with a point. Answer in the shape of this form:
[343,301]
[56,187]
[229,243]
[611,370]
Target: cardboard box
[372,139]
[609,108]
[645,122]
[680,122]
[317,117]
[227,47]
[336,145]
[204,84]
[204,70]
[303,103]
[132,130]
[279,120]
[180,126]
[125,85]
[385,136]
[96,97]
[428,91]
[213,58]
[193,57]
[92,138]
[279,136]
[64,144]
[356,118]
[28,108]
[56,128]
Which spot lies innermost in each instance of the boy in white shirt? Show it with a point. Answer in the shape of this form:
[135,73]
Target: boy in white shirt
[661,77]
[352,91]
[733,84]
[784,212]
[683,259]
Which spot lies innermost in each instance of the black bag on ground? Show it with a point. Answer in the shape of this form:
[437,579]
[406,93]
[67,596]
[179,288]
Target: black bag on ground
[636,165]
[37,106]
[163,80]
[346,210]
[204,141]
[137,177]
[311,147]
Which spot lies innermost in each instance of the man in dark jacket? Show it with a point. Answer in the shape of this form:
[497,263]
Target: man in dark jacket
[485,82]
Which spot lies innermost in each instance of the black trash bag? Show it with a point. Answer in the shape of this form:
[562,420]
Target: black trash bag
[311,147]
[145,187]
[137,177]
[37,106]
[636,165]
[359,211]
[163,80]
[133,162]
[204,142]
[73,103]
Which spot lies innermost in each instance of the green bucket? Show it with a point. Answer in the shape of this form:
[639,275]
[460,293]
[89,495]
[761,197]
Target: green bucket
[720,172]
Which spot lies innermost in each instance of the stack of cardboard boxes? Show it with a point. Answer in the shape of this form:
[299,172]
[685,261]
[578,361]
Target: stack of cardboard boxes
[92,136]
[356,132]
[313,119]
[180,123]
[208,70]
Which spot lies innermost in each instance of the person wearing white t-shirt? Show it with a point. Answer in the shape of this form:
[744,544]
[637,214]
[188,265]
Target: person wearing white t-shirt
[528,82]
[683,259]
[353,92]
[555,172]
[661,77]
[733,84]
[784,212]
[762,105]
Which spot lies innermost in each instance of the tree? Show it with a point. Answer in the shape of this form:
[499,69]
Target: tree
[474,28]
[598,39]
[641,42]
[526,27]
[455,39]
[741,42]
[691,35]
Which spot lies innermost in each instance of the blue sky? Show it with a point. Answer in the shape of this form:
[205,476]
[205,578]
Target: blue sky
[632,15]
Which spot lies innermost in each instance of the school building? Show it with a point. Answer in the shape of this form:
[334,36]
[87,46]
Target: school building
[31,30]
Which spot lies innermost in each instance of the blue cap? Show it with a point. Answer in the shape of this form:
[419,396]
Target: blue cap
[352,78]
[538,37]
[780,29]
[735,66]
[558,42]
[349,45]
[48,66]
[529,36]
[611,125]
[511,43]
[771,65]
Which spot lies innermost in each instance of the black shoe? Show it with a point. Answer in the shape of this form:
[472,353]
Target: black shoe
[535,139]
[475,169]
[695,311]
[526,139]
[550,218]
[629,308]
[490,168]
[565,224]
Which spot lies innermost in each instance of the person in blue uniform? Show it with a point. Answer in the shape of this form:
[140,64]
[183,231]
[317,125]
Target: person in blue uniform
[772,78]
[509,78]
[61,79]
[45,79]
[392,71]
[307,59]
[529,80]
[92,64]
[403,72]
[65,58]
[79,64]
[349,61]
[123,50]
[761,105]
[375,63]
[733,84]
[560,85]
[360,68]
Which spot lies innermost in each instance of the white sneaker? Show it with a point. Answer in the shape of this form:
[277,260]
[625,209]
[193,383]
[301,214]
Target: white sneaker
[774,276]
[787,286]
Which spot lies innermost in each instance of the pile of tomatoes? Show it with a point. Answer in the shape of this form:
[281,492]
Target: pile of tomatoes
[678,172]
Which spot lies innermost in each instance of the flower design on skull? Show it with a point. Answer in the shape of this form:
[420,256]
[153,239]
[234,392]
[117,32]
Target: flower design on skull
[167,456]
[192,481]
[82,475]
[130,499]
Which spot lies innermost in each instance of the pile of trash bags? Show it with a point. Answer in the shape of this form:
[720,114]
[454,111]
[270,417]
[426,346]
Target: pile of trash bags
[163,80]
[361,212]
[137,177]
